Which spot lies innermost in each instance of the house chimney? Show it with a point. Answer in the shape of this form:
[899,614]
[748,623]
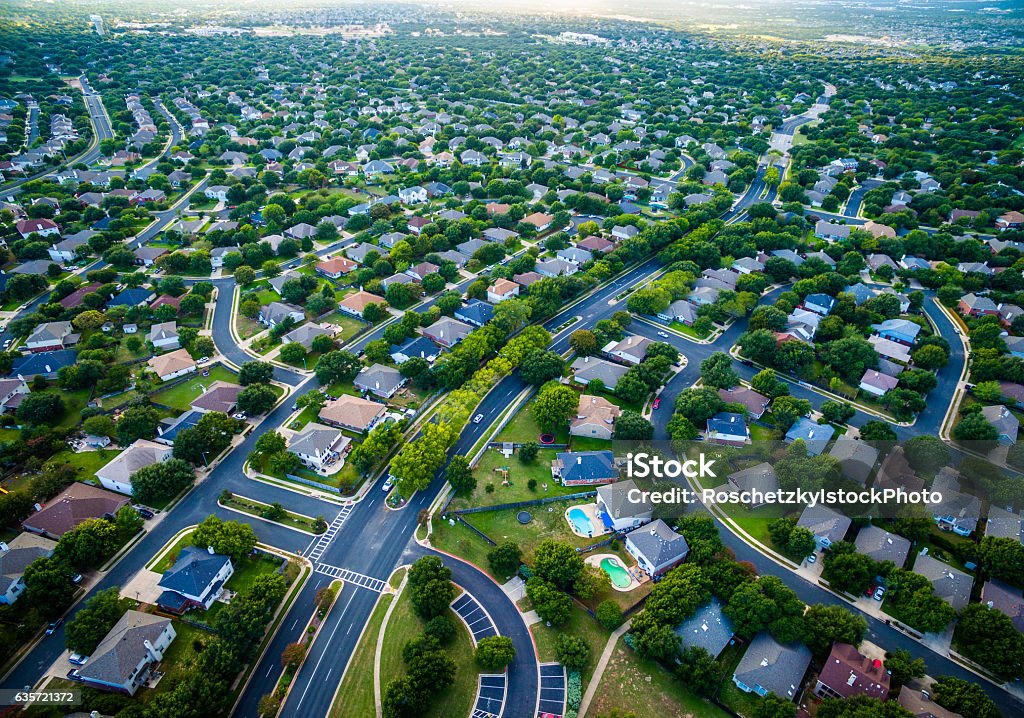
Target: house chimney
[150,650]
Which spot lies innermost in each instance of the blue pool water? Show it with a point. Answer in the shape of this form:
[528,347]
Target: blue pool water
[581,522]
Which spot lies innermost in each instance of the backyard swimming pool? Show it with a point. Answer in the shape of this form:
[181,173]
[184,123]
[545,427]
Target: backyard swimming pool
[616,572]
[581,522]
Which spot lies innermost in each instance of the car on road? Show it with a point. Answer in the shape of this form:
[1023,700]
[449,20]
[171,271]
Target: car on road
[388,483]
[7,343]
[657,403]
[78,659]
[663,334]
[478,418]
[52,628]
[879,592]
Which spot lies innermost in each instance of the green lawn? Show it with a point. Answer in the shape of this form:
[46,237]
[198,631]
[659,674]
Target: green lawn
[579,624]
[548,523]
[180,658]
[74,402]
[356,698]
[253,508]
[460,541]
[519,475]
[404,625]
[350,326]
[182,395]
[249,569]
[86,463]
[688,331]
[523,428]
[632,684]
[171,556]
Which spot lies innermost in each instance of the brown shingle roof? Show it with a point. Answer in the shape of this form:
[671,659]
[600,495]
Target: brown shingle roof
[77,503]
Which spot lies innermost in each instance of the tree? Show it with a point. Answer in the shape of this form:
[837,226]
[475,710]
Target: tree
[558,563]
[1002,558]
[903,668]
[161,481]
[930,357]
[609,614]
[716,371]
[631,426]
[849,571]
[127,523]
[540,366]
[293,352]
[861,707]
[927,454]
[971,427]
[49,585]
[553,406]
[256,399]
[460,475]
[209,437]
[137,422]
[583,342]
[766,603]
[93,622]
[698,404]
[699,670]
[830,624]
[772,706]
[494,653]
[337,366]
[293,654]
[919,608]
[767,383]
[272,442]
[99,425]
[572,652]
[245,275]
[505,559]
[528,452]
[230,538]
[877,431]
[418,461]
[40,408]
[837,412]
[787,409]
[963,697]
[255,372]
[550,604]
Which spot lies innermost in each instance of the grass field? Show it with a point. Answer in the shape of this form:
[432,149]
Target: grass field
[548,523]
[168,559]
[523,428]
[182,395]
[519,474]
[86,463]
[632,684]
[579,624]
[254,508]
[350,326]
[355,697]
[404,625]
[180,658]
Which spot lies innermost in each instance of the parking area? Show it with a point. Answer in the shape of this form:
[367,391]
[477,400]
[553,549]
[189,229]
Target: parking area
[473,615]
[490,696]
[552,689]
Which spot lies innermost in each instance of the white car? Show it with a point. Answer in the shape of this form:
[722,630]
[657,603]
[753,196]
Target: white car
[239,416]
[203,360]
[388,483]
[78,659]
[663,334]
[478,418]
[813,558]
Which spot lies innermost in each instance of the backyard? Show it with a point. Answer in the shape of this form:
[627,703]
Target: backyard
[181,396]
[488,474]
[86,463]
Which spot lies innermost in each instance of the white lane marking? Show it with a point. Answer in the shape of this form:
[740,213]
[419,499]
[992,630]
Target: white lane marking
[324,652]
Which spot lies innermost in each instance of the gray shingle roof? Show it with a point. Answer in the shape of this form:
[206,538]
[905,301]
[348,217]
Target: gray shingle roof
[659,543]
[774,666]
[123,648]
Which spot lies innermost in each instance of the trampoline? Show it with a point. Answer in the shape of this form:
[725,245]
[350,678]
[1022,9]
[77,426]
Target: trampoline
[547,438]
[524,517]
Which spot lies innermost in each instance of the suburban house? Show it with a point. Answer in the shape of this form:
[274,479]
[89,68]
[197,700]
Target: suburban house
[476,312]
[220,396]
[169,366]
[828,525]
[75,504]
[1006,599]
[824,229]
[277,312]
[1004,524]
[306,333]
[380,380]
[43,227]
[63,252]
[617,511]
[595,417]
[164,335]
[772,667]
[903,331]
[820,304]
[1008,220]
[631,349]
[578,468]
[920,704]
[51,336]
[588,369]
[217,255]
[847,673]
[754,402]
[353,413]
[856,458]
[680,311]
[656,547]
[1007,425]
[420,347]
[194,581]
[12,392]
[116,474]
[123,659]
[727,428]
[319,446]
[356,303]
[501,290]
[973,305]
[815,436]
[761,478]
[876,383]
[15,557]
[889,349]
[447,331]
[45,364]
[335,267]
[879,544]
[707,628]
[948,583]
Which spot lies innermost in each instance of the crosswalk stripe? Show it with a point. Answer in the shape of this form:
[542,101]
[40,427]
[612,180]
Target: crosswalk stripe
[358,579]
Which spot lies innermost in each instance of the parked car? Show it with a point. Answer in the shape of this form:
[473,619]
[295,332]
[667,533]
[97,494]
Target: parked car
[813,558]
[78,659]
[73,675]
[145,513]
[870,592]
[879,593]
[240,416]
[77,579]
[52,628]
